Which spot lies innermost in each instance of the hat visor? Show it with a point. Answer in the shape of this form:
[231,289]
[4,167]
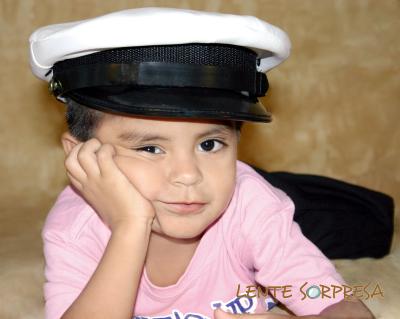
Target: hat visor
[172,102]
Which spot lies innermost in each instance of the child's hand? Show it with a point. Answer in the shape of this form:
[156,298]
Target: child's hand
[219,314]
[93,171]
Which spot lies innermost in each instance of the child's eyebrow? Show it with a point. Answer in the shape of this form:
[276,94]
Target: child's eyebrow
[131,136]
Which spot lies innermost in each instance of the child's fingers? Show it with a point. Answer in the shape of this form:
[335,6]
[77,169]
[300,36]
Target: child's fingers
[75,182]
[72,165]
[220,314]
[87,157]
[105,159]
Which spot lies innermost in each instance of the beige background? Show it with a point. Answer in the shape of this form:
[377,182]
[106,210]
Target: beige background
[335,104]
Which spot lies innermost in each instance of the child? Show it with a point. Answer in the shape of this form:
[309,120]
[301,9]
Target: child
[161,219]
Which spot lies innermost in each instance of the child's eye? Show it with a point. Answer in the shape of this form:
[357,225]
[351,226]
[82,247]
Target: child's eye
[145,148]
[208,145]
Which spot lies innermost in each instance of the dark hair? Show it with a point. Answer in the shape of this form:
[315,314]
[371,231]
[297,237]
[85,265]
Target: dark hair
[83,121]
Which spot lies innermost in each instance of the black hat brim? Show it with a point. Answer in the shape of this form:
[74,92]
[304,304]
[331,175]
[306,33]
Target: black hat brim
[172,102]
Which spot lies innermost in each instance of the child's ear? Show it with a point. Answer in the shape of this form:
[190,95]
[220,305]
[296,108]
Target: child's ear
[68,142]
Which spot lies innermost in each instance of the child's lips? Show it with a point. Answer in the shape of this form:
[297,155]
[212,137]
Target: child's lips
[185,208]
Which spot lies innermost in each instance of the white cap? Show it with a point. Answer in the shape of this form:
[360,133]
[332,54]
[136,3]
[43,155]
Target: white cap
[155,26]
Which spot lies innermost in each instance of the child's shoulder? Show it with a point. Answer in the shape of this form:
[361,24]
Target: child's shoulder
[258,212]
[69,214]
[253,186]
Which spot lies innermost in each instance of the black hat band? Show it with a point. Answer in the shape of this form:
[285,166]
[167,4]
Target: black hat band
[159,74]
[214,66]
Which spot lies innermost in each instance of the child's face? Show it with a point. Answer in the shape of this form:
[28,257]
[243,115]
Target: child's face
[189,167]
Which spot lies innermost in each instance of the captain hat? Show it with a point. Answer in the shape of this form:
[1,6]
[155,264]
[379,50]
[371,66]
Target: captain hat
[162,62]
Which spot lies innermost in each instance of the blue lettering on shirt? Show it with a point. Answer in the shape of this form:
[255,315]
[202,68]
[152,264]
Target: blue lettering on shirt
[237,305]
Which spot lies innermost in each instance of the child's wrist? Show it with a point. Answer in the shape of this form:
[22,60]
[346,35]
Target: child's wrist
[133,226]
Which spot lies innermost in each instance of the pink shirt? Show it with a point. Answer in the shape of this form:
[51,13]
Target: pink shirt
[255,240]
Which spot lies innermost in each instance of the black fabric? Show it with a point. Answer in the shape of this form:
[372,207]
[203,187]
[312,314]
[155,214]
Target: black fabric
[343,220]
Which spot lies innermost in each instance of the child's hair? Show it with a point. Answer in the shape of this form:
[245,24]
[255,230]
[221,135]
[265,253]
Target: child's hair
[82,121]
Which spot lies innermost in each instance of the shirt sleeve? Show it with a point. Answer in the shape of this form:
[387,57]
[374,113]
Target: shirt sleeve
[68,268]
[282,256]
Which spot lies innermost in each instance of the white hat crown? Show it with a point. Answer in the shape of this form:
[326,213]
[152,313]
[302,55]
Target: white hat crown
[155,26]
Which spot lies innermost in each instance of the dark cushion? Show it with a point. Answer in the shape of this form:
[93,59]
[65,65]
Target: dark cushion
[343,220]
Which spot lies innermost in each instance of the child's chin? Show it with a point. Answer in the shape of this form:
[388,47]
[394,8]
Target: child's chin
[184,234]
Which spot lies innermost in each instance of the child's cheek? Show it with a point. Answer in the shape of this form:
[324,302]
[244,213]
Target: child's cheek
[144,174]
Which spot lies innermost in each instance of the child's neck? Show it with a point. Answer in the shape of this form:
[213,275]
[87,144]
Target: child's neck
[160,242]
[168,258]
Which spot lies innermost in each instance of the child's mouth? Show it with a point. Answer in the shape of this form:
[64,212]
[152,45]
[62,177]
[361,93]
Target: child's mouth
[185,208]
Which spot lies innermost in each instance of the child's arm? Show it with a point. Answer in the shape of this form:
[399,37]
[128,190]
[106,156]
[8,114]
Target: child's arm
[347,309]
[342,309]
[111,291]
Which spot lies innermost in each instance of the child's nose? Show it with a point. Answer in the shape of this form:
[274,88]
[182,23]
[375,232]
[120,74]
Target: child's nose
[185,170]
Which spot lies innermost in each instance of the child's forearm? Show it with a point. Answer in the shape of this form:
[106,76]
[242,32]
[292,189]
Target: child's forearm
[112,289]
